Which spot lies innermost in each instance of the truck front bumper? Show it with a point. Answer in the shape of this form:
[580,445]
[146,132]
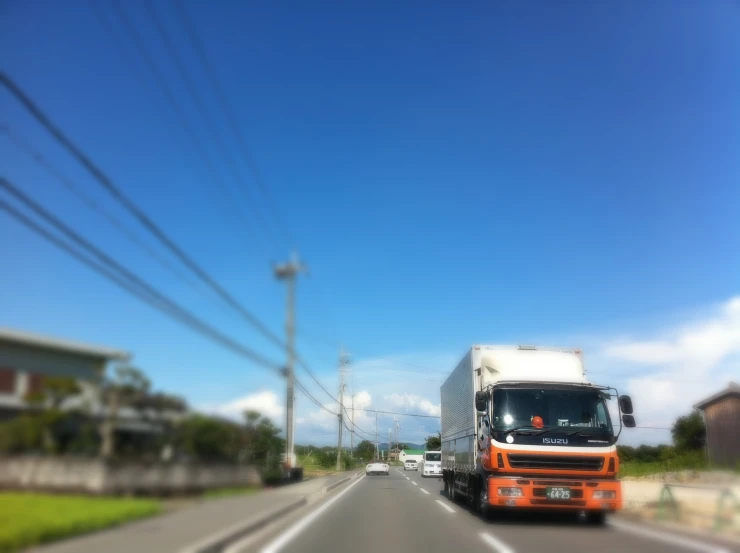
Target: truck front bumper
[518,492]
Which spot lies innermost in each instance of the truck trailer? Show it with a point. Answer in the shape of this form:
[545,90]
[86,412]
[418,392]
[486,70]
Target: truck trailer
[523,428]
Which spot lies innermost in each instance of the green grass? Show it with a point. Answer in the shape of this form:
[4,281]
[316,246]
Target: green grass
[32,519]
[637,468]
[229,492]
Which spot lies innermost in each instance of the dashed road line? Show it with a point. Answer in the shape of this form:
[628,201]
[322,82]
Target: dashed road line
[443,504]
[414,483]
[426,492]
[496,544]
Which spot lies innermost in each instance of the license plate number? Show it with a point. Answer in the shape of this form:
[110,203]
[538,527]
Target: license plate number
[557,493]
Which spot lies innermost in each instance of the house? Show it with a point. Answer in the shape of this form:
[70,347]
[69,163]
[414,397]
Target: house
[412,455]
[722,419]
[26,358]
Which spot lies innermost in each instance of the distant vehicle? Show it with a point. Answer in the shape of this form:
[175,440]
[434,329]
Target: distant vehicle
[377,467]
[522,428]
[410,464]
[432,464]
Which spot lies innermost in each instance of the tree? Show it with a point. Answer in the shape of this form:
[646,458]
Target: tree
[689,432]
[209,439]
[434,442]
[262,440]
[366,450]
[49,398]
[127,389]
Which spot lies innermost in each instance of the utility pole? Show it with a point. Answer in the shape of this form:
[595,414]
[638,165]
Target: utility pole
[377,447]
[288,272]
[352,434]
[395,420]
[343,360]
[390,444]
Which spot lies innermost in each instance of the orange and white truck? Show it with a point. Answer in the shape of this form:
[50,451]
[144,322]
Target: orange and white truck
[523,428]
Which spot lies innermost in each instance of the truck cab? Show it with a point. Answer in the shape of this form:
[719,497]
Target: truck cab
[543,438]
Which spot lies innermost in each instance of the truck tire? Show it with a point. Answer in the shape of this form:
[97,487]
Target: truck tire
[482,505]
[447,485]
[596,518]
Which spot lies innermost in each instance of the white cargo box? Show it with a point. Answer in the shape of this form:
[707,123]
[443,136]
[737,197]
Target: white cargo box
[483,366]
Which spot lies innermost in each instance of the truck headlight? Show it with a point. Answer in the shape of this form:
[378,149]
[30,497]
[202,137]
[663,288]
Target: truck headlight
[604,494]
[510,492]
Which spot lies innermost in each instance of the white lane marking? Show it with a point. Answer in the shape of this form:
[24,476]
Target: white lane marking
[284,538]
[496,544]
[450,509]
[658,535]
[414,483]
[407,478]
[426,492]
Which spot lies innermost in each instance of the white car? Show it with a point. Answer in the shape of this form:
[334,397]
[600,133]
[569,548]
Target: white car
[377,467]
[410,464]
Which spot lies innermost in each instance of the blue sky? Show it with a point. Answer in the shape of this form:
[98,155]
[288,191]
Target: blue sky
[487,172]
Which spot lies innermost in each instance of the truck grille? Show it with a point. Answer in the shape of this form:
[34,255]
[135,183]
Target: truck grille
[555,462]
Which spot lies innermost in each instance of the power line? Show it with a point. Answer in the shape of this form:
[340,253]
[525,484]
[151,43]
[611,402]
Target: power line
[121,276]
[302,388]
[230,116]
[148,223]
[195,147]
[171,98]
[119,196]
[353,422]
[396,413]
[203,110]
[93,205]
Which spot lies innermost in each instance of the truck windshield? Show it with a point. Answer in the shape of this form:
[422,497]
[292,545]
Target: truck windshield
[568,408]
[433,457]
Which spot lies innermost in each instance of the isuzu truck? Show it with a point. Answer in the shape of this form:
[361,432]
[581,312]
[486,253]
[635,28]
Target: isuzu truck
[523,428]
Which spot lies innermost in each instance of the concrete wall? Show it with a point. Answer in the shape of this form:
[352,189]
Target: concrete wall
[98,477]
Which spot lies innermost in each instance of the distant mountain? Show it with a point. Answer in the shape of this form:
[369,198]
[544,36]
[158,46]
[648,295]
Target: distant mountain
[384,446]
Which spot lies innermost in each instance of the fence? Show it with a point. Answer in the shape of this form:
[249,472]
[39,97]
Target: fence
[94,476]
[724,513]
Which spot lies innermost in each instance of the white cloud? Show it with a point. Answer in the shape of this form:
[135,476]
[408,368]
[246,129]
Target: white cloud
[412,403]
[266,402]
[681,365]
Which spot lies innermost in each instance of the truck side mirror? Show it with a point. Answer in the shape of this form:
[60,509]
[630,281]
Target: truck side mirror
[625,404]
[628,421]
[481,402]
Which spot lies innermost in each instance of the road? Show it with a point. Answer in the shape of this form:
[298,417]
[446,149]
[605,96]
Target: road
[405,512]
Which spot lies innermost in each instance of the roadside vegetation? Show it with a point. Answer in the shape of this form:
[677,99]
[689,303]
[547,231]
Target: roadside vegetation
[686,454]
[30,519]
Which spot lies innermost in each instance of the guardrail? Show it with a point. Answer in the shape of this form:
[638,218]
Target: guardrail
[668,507]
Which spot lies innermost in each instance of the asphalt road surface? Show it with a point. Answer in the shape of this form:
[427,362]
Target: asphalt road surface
[405,512]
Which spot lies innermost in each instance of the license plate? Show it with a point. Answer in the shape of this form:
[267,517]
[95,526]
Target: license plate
[557,493]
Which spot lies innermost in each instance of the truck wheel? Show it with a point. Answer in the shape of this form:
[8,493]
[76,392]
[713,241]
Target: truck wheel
[482,506]
[596,518]
[447,486]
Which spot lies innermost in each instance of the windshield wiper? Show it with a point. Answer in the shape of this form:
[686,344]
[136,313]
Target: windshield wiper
[518,429]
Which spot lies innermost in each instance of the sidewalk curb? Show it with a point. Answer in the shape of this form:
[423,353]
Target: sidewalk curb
[242,529]
[234,532]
